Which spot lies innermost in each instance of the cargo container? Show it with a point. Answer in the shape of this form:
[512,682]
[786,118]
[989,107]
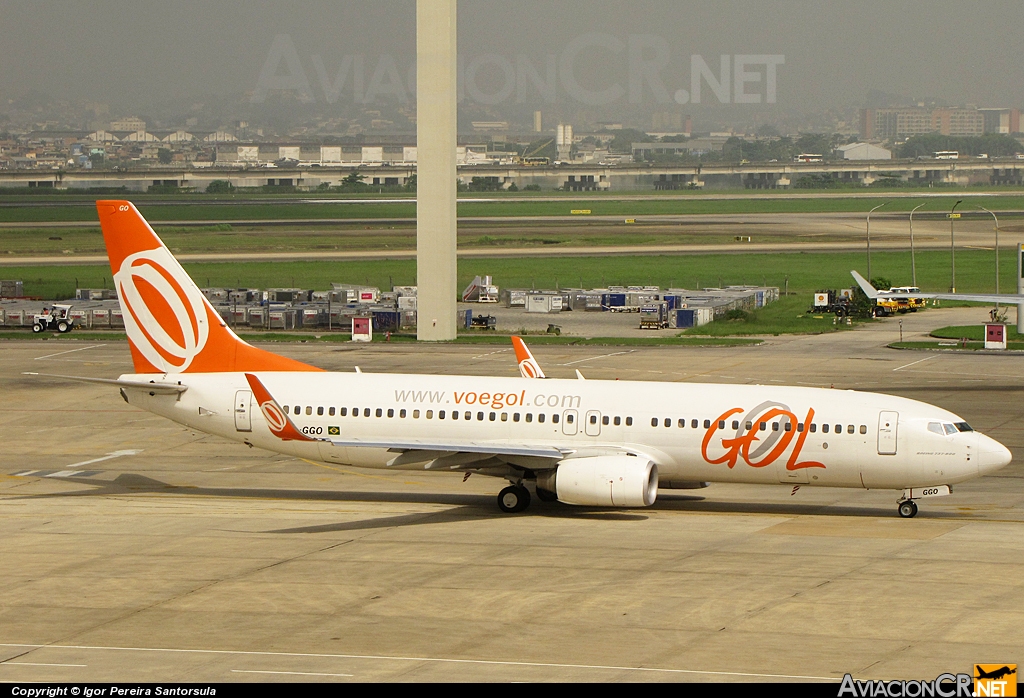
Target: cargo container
[313,317]
[615,302]
[100,318]
[544,303]
[654,316]
[386,320]
[80,317]
[117,319]
[15,318]
[11,289]
[515,298]
[283,319]
[256,317]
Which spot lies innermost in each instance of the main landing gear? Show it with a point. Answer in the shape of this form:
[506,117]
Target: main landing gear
[907,508]
[514,499]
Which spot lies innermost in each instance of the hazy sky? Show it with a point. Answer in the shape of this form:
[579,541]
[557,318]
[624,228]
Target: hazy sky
[123,52]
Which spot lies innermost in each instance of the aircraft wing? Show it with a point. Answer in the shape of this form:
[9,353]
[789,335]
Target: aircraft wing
[873,293]
[481,447]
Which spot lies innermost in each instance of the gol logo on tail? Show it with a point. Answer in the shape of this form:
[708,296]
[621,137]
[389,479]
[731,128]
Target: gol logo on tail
[274,416]
[166,314]
[748,444]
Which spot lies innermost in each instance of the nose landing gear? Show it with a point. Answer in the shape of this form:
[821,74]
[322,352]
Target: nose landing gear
[907,508]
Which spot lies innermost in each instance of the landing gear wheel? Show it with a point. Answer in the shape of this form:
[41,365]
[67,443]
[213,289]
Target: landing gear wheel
[908,509]
[513,499]
[37,328]
[63,327]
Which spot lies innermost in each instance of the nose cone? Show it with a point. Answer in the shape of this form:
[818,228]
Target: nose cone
[992,455]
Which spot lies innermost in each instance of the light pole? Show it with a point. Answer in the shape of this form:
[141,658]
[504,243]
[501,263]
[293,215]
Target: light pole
[869,236]
[997,251]
[913,262]
[952,249]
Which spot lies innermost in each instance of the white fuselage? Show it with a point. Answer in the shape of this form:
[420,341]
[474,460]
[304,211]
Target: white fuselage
[693,432]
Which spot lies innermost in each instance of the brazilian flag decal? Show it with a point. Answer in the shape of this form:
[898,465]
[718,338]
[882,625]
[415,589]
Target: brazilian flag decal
[334,431]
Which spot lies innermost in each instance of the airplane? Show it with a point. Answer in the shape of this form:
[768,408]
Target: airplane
[907,292]
[581,442]
[996,674]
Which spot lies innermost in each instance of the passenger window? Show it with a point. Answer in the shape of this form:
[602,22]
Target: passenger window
[391,414]
[693,424]
[298,410]
[763,426]
[287,410]
[440,415]
[775,426]
[344,412]
[707,423]
[554,418]
[355,411]
[735,424]
[319,411]
[749,426]
[839,428]
[604,420]
[479,416]
[629,421]
[468,416]
[504,416]
[814,428]
[330,412]
[515,417]
[936,428]
[415,414]
[568,418]
[430,414]
[668,422]
[789,426]
[618,421]
[529,417]
[654,421]
[455,415]
[721,424]
[309,410]
[541,417]
[379,412]
[593,419]
[863,429]
[402,413]
[800,428]
[824,428]
[493,416]
[850,429]
[366,411]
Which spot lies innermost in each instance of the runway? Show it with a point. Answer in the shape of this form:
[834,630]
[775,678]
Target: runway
[136,550]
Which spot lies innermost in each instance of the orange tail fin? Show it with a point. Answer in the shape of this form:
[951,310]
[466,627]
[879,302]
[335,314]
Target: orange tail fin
[171,326]
[528,366]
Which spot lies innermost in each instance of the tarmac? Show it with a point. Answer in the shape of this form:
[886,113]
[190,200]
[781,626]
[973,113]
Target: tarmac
[135,550]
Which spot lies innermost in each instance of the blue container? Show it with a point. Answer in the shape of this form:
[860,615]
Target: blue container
[686,318]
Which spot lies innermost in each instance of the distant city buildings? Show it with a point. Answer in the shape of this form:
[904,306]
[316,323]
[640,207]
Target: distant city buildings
[899,122]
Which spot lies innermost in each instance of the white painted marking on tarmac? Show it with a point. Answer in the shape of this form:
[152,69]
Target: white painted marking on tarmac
[440,660]
[603,356]
[287,673]
[919,361]
[38,664]
[69,351]
[109,456]
[492,353]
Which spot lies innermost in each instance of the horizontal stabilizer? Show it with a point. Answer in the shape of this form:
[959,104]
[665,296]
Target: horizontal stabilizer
[152,386]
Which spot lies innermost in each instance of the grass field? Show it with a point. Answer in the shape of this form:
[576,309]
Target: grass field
[806,272]
[201,209]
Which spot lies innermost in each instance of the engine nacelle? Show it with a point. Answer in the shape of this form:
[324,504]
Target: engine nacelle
[603,481]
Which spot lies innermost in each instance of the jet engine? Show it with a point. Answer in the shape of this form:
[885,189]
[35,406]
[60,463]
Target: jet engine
[603,481]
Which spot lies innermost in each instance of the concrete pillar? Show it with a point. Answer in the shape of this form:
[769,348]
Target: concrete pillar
[1020,286]
[436,191]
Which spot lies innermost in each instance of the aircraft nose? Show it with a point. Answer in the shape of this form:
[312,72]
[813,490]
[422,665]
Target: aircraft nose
[992,455]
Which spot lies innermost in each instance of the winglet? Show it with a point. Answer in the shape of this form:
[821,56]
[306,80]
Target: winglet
[280,425]
[528,366]
[865,286]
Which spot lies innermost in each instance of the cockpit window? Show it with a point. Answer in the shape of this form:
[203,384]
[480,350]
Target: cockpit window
[936,428]
[963,426]
[950,429]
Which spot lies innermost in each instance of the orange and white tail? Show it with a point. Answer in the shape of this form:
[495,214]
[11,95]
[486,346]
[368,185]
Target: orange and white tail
[171,326]
[528,366]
